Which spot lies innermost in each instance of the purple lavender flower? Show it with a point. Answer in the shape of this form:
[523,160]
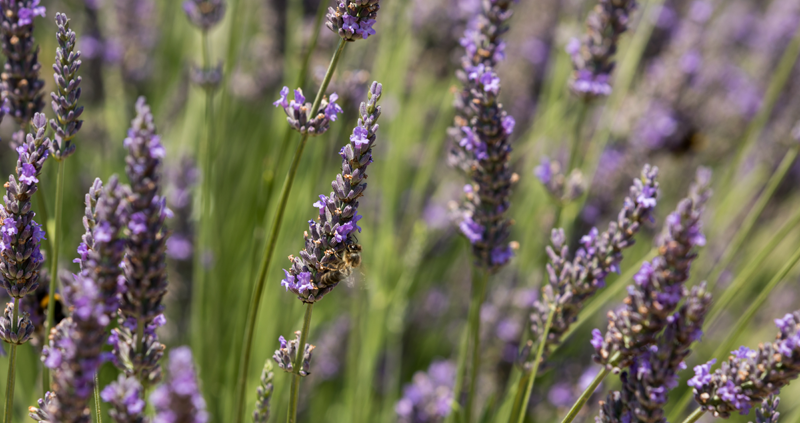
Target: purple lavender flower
[179,399]
[206,78]
[593,60]
[655,371]
[136,347]
[286,355]
[749,377]
[24,327]
[125,396]
[65,100]
[133,43]
[298,116]
[561,187]
[21,85]
[331,248]
[40,413]
[204,14]
[264,395]
[428,398]
[571,283]
[21,235]
[768,412]
[659,285]
[353,19]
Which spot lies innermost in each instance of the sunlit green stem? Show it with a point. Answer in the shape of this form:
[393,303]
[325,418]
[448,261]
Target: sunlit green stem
[54,262]
[12,367]
[294,395]
[587,393]
[531,378]
[694,416]
[575,153]
[272,241]
[479,279]
[98,414]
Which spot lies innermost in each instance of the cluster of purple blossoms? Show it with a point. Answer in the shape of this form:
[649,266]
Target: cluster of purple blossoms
[572,282]
[21,85]
[24,327]
[298,112]
[563,188]
[353,19]
[768,412]
[65,101]
[750,376]
[136,347]
[204,14]
[655,372]
[125,397]
[286,355]
[20,255]
[592,58]
[331,248]
[264,394]
[658,285]
[481,132]
[179,399]
[429,396]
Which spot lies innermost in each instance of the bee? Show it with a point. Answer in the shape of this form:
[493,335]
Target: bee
[352,255]
[333,277]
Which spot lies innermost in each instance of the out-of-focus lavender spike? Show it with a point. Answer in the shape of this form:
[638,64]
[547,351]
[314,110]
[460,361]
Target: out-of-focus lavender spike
[136,347]
[125,397]
[133,43]
[298,112]
[353,19]
[40,413]
[331,248]
[563,188]
[654,373]
[20,256]
[264,395]
[593,57]
[21,85]
[572,282]
[287,353]
[204,14]
[429,396]
[206,78]
[179,398]
[182,178]
[62,353]
[750,376]
[65,100]
[658,286]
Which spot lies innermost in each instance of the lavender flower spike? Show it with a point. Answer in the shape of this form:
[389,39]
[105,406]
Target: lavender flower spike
[298,116]
[40,413]
[768,412]
[331,248]
[287,353]
[750,376]
[179,399]
[658,286]
[645,388]
[592,58]
[264,394]
[571,283]
[353,19]
[429,396]
[204,14]
[65,100]
[20,257]
[136,347]
[125,397]
[21,85]
[24,326]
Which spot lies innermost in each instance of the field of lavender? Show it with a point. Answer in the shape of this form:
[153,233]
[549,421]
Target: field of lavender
[511,211]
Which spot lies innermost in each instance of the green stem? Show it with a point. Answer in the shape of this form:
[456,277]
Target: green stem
[479,279]
[12,366]
[585,395]
[694,416]
[272,241]
[532,377]
[575,158]
[97,398]
[54,263]
[743,231]
[294,395]
[461,370]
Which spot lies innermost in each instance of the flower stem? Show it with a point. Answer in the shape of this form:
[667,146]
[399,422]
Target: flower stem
[294,395]
[272,241]
[479,279]
[694,416]
[12,368]
[575,158]
[97,398]
[54,263]
[531,378]
[585,395]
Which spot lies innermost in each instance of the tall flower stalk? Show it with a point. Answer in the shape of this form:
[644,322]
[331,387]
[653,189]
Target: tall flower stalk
[358,16]
[481,134]
[21,85]
[66,127]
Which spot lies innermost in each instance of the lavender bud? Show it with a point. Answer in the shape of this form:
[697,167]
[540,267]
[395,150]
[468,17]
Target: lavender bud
[125,397]
[287,353]
[768,412]
[592,58]
[24,327]
[331,248]
[353,19]
[21,235]
[40,413]
[297,112]
[21,86]
[659,285]
[429,396]
[561,187]
[572,282]
[179,399]
[65,100]
[206,78]
[748,377]
[204,14]
[264,394]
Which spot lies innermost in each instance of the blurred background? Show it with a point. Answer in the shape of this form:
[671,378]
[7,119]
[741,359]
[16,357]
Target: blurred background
[698,82]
